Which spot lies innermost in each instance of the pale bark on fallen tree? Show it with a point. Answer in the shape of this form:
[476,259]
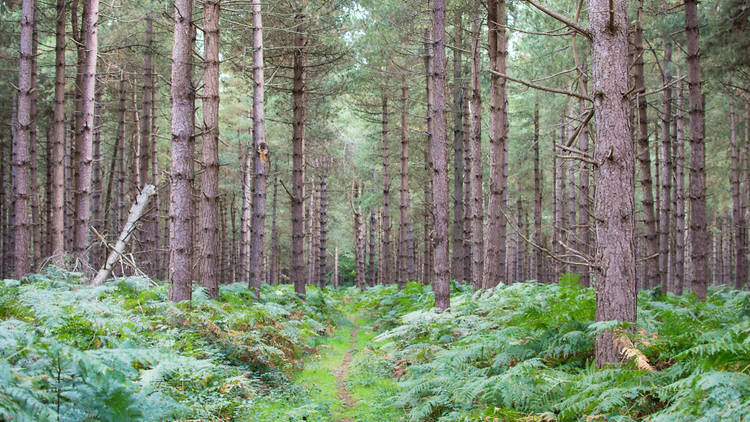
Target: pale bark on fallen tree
[136,211]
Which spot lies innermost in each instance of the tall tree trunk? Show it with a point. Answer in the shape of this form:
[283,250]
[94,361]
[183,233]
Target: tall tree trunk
[386,257]
[665,223]
[738,217]
[298,155]
[261,151]
[562,198]
[36,224]
[584,231]
[679,216]
[441,282]
[21,145]
[4,228]
[155,213]
[247,158]
[359,238]
[412,252]
[85,145]
[121,193]
[537,266]
[209,254]
[496,37]
[150,258]
[644,158]
[371,277]
[323,255]
[556,211]
[403,259]
[274,279]
[477,194]
[427,261]
[181,206]
[698,232]
[466,129]
[613,177]
[458,155]
[99,254]
[57,173]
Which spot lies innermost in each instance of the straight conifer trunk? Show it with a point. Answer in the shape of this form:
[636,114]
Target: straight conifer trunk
[209,255]
[665,212]
[57,171]
[386,257]
[537,266]
[261,154]
[613,176]
[359,237]
[403,259]
[441,282]
[323,252]
[644,158]
[150,257]
[428,199]
[21,146]
[477,194]
[738,218]
[181,212]
[274,279]
[85,146]
[458,156]
[698,231]
[298,155]
[493,258]
[679,217]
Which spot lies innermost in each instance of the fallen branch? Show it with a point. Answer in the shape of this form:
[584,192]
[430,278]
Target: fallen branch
[136,211]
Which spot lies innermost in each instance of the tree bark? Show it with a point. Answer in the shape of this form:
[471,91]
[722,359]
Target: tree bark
[182,126]
[679,216]
[386,258]
[21,146]
[261,151]
[150,258]
[698,231]
[121,193]
[466,259]
[458,155]
[359,238]
[738,217]
[323,255]
[644,158]
[209,254]
[665,214]
[477,194]
[371,249]
[57,172]
[427,261]
[613,176]
[441,282]
[85,146]
[537,265]
[298,155]
[97,255]
[403,259]
[274,279]
[493,260]
[36,223]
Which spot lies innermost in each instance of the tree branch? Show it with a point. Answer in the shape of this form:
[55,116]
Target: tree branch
[551,13]
[542,88]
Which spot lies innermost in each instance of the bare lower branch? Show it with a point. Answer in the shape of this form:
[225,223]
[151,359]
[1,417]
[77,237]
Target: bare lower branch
[567,21]
[540,87]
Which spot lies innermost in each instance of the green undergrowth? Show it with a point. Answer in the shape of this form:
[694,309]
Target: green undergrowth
[122,351]
[525,352]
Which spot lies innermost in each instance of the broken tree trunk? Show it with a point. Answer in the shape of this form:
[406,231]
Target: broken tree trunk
[136,211]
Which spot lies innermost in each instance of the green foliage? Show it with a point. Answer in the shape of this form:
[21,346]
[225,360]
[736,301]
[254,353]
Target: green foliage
[526,352]
[122,352]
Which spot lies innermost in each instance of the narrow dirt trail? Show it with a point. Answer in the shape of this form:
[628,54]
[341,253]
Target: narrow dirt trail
[342,371]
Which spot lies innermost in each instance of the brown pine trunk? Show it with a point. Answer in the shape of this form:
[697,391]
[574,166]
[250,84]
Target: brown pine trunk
[359,238]
[298,156]
[85,145]
[323,255]
[274,279]
[584,231]
[57,172]
[371,276]
[738,218]
[665,223]
[477,194]
[537,266]
[441,264]
[21,146]
[613,177]
[150,258]
[98,254]
[562,200]
[412,253]
[698,232]
[246,157]
[261,151]
[154,215]
[386,256]
[36,224]
[209,253]
[493,261]
[4,227]
[556,206]
[427,261]
[181,206]
[403,241]
[644,158]
[466,259]
[679,216]
[458,156]
[121,192]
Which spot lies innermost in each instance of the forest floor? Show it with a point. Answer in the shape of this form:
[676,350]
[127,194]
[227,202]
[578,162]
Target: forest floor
[335,375]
